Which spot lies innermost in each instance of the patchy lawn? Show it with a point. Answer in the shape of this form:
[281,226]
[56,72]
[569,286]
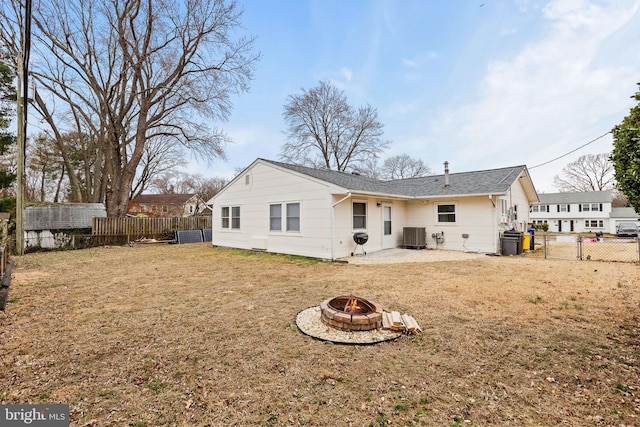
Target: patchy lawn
[182,335]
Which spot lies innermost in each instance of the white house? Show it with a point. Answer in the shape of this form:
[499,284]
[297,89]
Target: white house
[291,209]
[580,212]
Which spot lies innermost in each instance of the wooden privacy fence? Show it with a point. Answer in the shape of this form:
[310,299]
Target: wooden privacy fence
[136,228]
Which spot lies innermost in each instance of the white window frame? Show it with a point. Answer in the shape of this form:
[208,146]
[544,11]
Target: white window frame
[230,217]
[363,216]
[277,225]
[454,213]
[291,226]
[235,217]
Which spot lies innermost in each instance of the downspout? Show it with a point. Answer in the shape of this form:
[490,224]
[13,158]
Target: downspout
[494,223]
[333,219]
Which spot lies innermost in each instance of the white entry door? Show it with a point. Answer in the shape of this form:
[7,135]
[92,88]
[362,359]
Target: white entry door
[387,228]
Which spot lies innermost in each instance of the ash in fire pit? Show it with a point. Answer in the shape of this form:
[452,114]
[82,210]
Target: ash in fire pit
[351,313]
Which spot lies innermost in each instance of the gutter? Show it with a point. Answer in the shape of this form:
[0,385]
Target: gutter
[333,218]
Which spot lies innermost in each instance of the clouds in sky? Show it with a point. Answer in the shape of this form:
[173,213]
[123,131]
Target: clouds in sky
[504,84]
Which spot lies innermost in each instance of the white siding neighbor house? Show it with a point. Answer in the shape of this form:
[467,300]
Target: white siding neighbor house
[580,212]
[283,208]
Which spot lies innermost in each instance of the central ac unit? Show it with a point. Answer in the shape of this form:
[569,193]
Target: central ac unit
[414,237]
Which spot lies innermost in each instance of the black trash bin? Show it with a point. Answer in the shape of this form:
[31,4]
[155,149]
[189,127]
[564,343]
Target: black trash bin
[511,242]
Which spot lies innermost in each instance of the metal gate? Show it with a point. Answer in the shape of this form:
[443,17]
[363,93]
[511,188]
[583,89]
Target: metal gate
[590,248]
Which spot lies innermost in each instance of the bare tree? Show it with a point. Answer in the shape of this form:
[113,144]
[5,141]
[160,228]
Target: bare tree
[175,182]
[325,131]
[126,72]
[160,157]
[591,172]
[403,166]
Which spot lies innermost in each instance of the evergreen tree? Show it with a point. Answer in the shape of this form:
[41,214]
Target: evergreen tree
[626,154]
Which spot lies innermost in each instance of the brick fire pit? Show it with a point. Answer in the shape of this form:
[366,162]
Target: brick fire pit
[351,313]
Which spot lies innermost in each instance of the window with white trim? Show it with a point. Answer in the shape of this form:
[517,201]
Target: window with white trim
[230,217]
[594,223]
[293,216]
[359,215]
[275,217]
[446,213]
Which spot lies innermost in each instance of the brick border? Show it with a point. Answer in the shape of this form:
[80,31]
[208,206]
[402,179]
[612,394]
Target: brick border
[351,321]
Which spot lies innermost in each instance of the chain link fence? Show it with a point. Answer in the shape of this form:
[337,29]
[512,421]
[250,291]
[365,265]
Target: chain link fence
[592,248]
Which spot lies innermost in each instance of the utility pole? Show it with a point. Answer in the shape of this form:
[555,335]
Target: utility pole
[21,145]
[22,98]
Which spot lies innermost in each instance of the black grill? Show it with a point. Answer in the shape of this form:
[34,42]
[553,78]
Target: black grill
[360,239]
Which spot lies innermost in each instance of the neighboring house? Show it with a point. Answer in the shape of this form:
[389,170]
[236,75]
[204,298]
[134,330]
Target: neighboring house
[283,208]
[580,212]
[166,205]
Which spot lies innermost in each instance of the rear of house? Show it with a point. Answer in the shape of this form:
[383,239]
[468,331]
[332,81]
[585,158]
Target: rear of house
[291,209]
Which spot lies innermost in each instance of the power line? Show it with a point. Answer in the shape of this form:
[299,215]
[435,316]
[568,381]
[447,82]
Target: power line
[572,151]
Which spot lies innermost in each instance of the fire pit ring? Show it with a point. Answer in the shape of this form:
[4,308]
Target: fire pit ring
[351,313]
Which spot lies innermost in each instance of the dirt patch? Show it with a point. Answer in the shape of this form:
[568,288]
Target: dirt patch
[194,335]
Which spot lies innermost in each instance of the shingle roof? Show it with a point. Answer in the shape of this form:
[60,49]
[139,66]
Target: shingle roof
[492,181]
[623,213]
[576,197]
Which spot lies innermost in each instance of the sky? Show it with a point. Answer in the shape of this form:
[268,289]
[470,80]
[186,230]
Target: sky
[481,84]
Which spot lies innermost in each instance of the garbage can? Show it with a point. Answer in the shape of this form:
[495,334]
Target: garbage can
[512,241]
[526,239]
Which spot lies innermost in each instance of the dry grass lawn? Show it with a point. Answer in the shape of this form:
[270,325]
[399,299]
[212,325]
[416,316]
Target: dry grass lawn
[190,335]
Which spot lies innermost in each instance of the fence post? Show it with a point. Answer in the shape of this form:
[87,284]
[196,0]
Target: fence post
[579,248]
[546,244]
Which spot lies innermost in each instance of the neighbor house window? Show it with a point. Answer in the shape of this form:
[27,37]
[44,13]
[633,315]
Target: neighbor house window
[595,207]
[293,216]
[586,207]
[275,217]
[230,221]
[563,208]
[446,213]
[359,215]
[594,223]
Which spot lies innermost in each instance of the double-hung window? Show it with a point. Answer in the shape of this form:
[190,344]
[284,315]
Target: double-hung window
[446,213]
[292,218]
[359,215]
[275,217]
[230,217]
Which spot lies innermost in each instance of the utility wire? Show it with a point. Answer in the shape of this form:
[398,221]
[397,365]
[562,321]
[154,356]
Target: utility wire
[572,151]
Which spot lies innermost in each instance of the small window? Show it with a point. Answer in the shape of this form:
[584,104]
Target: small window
[293,216]
[359,215]
[225,216]
[275,217]
[586,207]
[446,213]
[595,207]
[563,208]
[235,217]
